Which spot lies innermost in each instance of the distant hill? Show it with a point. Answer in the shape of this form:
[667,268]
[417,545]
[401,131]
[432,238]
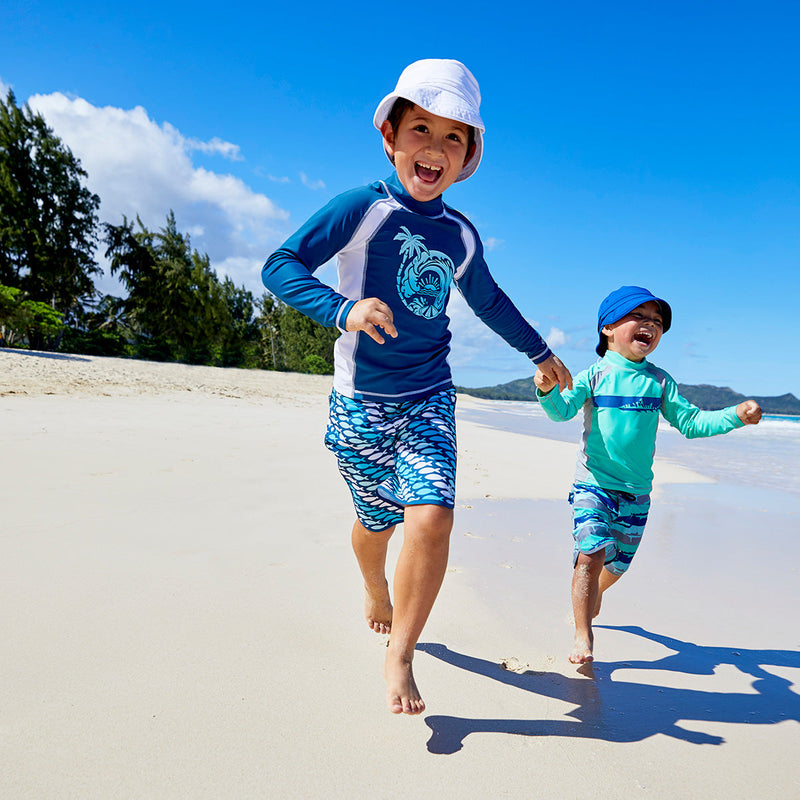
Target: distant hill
[703,396]
[711,397]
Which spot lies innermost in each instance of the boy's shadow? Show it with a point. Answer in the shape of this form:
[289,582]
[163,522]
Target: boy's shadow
[624,711]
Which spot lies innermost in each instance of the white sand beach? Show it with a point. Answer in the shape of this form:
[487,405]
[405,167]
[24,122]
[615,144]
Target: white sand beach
[182,613]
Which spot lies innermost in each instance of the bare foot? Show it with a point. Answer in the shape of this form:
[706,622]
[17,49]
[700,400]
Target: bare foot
[402,695]
[378,609]
[581,652]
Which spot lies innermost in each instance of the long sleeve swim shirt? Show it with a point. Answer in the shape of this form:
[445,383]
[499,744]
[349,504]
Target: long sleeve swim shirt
[408,254]
[621,402]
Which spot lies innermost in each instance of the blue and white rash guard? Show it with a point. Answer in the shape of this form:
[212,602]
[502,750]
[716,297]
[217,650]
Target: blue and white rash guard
[406,253]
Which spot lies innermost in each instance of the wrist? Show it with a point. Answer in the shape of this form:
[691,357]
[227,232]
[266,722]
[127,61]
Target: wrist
[344,311]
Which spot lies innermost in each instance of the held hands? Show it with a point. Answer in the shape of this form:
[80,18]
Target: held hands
[543,383]
[368,315]
[551,373]
[749,412]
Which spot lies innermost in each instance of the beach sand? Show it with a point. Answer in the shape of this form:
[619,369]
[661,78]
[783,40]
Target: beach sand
[182,616]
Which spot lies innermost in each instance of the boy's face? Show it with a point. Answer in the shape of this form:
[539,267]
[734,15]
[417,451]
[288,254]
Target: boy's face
[428,151]
[637,334]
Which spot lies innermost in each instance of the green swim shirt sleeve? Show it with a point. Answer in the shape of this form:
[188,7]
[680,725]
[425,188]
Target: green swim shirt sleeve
[691,421]
[561,406]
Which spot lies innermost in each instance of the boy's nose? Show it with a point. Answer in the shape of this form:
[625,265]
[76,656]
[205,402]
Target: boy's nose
[436,145]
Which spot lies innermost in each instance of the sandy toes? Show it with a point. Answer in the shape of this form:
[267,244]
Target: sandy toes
[581,652]
[378,610]
[402,695]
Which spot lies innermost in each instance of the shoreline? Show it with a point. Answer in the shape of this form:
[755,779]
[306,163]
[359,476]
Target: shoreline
[183,615]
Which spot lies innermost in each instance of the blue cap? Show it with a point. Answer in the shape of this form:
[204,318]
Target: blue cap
[620,303]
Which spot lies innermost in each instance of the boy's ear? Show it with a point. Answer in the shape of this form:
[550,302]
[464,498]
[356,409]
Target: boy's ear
[606,330]
[470,153]
[388,137]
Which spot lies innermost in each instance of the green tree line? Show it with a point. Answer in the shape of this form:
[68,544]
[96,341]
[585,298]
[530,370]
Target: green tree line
[176,307]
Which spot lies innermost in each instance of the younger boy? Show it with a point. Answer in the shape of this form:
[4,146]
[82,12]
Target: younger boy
[392,409]
[621,396]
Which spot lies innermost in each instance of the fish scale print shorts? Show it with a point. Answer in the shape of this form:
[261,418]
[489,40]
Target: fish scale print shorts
[393,455]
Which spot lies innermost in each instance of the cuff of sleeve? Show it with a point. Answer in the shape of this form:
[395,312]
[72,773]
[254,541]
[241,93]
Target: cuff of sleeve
[543,356]
[341,316]
[737,423]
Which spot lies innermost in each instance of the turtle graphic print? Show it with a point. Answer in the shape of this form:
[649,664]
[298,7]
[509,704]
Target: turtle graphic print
[424,277]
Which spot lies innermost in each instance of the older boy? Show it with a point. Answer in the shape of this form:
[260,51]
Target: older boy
[621,396]
[392,409]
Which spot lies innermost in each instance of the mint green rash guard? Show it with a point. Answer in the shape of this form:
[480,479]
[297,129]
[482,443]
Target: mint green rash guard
[621,401]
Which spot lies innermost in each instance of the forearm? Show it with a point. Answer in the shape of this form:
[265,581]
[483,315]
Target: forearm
[556,406]
[693,422]
[710,423]
[291,281]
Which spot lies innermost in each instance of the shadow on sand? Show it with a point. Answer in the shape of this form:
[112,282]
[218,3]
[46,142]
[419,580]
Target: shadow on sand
[43,354]
[625,711]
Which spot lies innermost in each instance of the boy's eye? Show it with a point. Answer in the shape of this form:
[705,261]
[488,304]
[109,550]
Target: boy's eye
[421,128]
[455,137]
[638,316]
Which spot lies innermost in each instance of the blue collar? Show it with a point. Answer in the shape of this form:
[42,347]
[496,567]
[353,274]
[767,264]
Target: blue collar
[428,208]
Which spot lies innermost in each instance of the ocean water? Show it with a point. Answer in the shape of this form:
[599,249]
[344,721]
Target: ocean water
[764,456]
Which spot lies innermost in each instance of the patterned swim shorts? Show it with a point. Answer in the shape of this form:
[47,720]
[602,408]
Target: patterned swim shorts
[604,519]
[393,455]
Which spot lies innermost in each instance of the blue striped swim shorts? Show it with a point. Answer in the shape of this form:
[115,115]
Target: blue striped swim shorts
[393,455]
[604,519]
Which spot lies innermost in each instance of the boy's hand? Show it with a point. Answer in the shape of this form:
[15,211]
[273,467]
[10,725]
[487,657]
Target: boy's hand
[749,412]
[554,371]
[368,315]
[543,383]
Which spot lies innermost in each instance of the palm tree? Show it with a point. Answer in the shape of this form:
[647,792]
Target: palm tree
[413,245]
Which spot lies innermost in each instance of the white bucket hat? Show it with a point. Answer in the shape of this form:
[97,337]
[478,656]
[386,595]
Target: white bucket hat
[443,87]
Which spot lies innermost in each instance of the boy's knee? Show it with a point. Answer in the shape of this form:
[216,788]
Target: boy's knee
[591,562]
[436,521]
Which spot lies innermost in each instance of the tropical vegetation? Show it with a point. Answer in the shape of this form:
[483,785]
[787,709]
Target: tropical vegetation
[176,307]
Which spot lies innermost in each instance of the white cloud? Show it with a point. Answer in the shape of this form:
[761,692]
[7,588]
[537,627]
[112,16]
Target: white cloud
[4,87]
[138,167]
[492,243]
[313,185]
[556,338]
[276,179]
[216,146]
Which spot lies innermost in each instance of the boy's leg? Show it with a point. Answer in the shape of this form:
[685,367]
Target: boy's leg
[607,579]
[370,549]
[360,434]
[420,570]
[628,528]
[585,593]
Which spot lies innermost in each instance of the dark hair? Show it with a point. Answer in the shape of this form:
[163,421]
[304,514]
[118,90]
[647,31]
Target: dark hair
[401,106]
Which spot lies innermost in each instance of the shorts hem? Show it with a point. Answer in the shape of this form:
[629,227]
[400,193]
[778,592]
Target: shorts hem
[442,503]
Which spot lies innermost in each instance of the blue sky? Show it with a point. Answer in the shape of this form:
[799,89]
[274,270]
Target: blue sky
[640,143]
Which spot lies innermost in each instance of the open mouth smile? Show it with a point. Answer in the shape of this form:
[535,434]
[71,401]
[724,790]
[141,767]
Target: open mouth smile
[643,337]
[428,173]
